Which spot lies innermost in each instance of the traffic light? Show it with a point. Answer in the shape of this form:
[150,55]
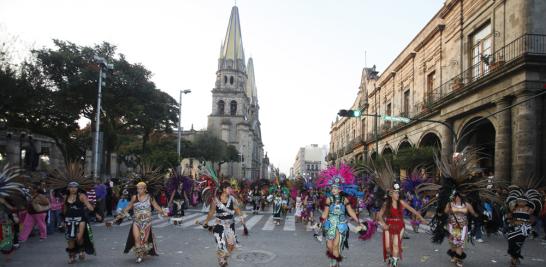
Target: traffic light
[349,113]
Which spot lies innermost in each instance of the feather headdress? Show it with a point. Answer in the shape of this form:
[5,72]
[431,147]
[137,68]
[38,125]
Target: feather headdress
[456,179]
[177,179]
[383,176]
[342,177]
[528,194]
[9,187]
[149,175]
[73,172]
[415,179]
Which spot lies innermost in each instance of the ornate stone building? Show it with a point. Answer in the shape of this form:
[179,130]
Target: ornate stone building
[478,69]
[235,108]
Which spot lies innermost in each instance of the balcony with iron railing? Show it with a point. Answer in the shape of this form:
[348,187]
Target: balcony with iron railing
[488,65]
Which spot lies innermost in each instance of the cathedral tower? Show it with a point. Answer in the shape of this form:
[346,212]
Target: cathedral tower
[234,116]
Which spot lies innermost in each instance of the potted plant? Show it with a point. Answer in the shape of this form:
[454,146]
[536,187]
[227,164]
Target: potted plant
[499,62]
[457,83]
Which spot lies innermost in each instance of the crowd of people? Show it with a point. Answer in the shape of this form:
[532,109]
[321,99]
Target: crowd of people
[458,205]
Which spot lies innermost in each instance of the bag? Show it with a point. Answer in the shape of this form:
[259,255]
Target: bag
[39,208]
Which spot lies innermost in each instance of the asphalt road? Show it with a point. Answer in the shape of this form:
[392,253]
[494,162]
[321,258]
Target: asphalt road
[290,244]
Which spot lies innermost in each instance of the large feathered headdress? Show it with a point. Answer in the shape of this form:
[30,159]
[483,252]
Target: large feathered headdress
[415,179]
[528,194]
[456,179]
[9,187]
[209,177]
[383,176]
[73,173]
[342,177]
[149,175]
[176,179]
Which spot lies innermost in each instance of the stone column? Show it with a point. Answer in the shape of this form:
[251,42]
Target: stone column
[525,133]
[447,140]
[503,142]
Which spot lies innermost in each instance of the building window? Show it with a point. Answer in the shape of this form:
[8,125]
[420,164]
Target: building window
[231,80]
[225,79]
[233,108]
[406,103]
[431,80]
[481,51]
[221,105]
[389,113]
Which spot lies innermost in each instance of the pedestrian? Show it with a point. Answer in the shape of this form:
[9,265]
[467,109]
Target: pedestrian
[55,211]
[109,200]
[122,202]
[37,211]
[100,194]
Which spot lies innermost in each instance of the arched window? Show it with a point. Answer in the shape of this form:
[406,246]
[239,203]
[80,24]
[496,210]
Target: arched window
[221,105]
[233,108]
[225,79]
[231,80]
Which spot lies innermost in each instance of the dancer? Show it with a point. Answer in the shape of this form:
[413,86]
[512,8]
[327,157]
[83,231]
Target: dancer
[521,204]
[11,192]
[141,239]
[391,214]
[416,178]
[224,207]
[277,208]
[334,216]
[78,232]
[457,197]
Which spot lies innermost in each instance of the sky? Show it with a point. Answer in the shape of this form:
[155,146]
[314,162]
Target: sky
[308,54]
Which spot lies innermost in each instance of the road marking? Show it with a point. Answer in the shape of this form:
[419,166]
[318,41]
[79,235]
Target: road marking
[253,221]
[290,223]
[269,226]
[185,218]
[192,222]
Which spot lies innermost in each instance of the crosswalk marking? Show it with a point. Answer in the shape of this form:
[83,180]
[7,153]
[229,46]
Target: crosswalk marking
[185,218]
[269,225]
[192,222]
[290,223]
[251,222]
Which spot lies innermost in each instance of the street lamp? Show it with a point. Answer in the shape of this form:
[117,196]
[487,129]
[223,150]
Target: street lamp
[178,145]
[103,66]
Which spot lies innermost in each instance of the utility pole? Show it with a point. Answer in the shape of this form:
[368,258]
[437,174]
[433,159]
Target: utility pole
[103,66]
[178,143]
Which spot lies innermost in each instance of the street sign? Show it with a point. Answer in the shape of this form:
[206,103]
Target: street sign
[394,118]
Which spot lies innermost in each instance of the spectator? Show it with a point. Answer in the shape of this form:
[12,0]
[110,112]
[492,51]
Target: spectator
[109,197]
[100,193]
[123,202]
[55,210]
[37,211]
[92,198]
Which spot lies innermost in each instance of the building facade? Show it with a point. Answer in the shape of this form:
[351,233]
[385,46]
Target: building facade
[310,160]
[235,108]
[474,75]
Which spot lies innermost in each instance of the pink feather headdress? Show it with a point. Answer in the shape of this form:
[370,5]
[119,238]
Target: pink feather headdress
[336,176]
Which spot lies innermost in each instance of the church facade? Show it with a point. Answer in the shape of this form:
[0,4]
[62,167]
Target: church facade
[235,109]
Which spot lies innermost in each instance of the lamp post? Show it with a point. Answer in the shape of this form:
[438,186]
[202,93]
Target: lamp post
[103,66]
[178,144]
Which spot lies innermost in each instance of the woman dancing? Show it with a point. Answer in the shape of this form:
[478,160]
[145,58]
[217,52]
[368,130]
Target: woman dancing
[334,216]
[224,207]
[78,232]
[141,239]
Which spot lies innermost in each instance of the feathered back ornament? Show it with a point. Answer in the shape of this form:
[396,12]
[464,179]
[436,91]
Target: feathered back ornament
[456,179]
[415,179]
[9,187]
[72,172]
[176,179]
[384,177]
[149,175]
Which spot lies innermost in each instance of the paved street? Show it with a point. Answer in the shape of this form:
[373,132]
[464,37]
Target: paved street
[290,244]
